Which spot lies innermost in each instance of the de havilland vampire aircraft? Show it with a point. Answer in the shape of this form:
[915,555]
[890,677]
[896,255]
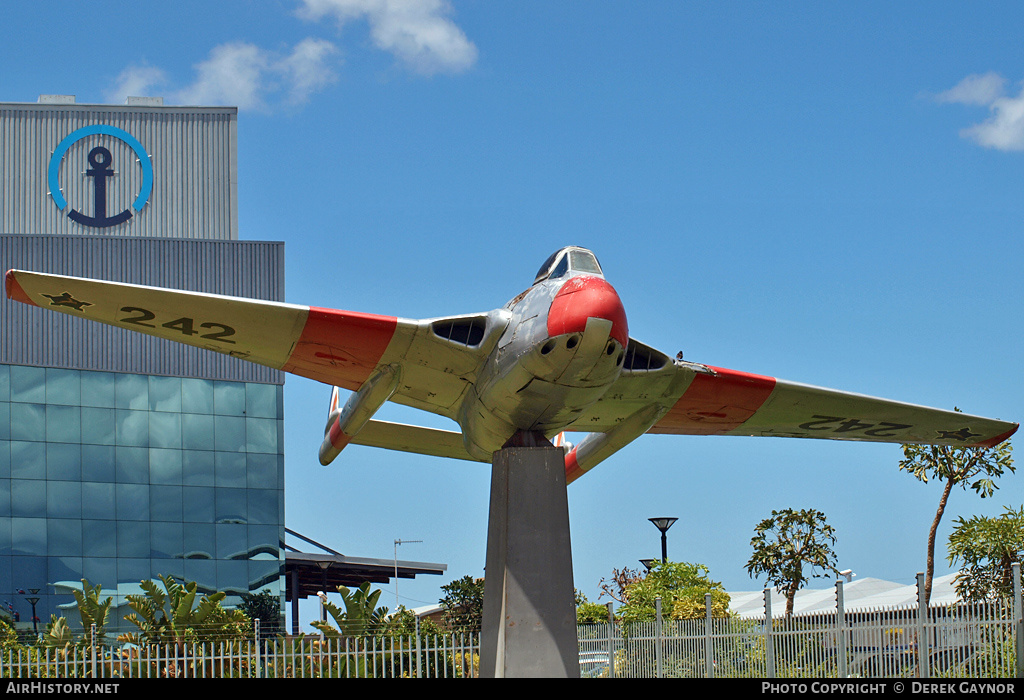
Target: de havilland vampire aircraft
[558,357]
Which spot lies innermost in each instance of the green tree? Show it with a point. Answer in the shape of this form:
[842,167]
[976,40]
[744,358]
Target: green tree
[463,605]
[173,615]
[986,549]
[588,613]
[404,623]
[955,466]
[788,543]
[682,588]
[265,607]
[8,635]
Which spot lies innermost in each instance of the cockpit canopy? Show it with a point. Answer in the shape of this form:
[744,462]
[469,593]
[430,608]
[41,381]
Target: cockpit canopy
[566,260]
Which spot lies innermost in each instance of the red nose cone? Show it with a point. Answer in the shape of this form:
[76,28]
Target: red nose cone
[587,297]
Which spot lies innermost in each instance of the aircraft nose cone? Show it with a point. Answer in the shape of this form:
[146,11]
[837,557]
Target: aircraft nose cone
[585,297]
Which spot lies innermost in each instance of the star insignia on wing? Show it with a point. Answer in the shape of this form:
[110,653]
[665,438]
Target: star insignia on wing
[65,299]
[962,435]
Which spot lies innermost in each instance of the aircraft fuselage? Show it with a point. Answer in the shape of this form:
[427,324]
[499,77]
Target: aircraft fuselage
[562,349]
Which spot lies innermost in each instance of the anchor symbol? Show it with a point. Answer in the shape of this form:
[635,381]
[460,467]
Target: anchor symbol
[100,159]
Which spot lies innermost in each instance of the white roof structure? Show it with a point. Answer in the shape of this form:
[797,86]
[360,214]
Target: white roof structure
[859,594]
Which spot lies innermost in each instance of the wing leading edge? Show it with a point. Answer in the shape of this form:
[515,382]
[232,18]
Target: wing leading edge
[726,402]
[439,358]
[336,347]
[662,396]
[704,400]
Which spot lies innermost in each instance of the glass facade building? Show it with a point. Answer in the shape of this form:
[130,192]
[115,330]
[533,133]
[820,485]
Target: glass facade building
[117,478]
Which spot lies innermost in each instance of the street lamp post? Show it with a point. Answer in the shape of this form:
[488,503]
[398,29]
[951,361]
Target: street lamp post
[32,600]
[663,524]
[324,566]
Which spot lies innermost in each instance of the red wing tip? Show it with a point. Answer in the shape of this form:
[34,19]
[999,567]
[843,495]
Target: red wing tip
[998,438]
[14,290]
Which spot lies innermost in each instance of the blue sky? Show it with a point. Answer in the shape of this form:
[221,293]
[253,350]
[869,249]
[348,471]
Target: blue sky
[827,194]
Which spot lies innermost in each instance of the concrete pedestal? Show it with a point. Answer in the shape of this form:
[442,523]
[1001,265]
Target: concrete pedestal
[529,624]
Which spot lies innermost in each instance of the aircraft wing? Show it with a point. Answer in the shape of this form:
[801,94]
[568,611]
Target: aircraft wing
[704,400]
[341,348]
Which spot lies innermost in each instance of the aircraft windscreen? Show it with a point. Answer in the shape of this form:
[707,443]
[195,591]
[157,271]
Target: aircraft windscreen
[584,261]
[574,259]
[561,268]
[543,271]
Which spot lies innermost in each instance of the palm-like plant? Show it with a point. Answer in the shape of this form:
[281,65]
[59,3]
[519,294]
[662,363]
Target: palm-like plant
[58,635]
[173,616]
[92,610]
[361,616]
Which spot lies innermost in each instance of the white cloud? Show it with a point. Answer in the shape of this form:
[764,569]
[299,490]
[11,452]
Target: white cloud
[418,32]
[1004,129]
[234,74]
[975,90]
[242,75]
[307,69]
[135,81]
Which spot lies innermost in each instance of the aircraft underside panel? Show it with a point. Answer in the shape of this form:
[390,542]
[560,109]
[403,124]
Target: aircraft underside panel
[735,403]
[335,347]
[715,404]
[339,348]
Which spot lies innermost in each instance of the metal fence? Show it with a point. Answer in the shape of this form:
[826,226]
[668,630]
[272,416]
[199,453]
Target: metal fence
[984,640]
[979,641]
[962,642]
[435,656]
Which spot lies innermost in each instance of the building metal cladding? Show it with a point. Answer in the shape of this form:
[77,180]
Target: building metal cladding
[122,456]
[191,151]
[34,336]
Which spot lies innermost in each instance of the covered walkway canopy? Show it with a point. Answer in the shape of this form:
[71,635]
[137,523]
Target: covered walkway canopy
[308,573]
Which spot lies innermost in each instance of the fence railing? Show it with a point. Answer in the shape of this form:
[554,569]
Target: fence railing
[965,641]
[984,640]
[434,656]
[979,640]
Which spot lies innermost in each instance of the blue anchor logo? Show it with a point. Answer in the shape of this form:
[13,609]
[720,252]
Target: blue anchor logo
[100,160]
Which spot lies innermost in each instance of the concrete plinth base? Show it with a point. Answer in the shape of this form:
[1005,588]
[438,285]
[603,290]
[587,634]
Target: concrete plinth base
[529,625]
